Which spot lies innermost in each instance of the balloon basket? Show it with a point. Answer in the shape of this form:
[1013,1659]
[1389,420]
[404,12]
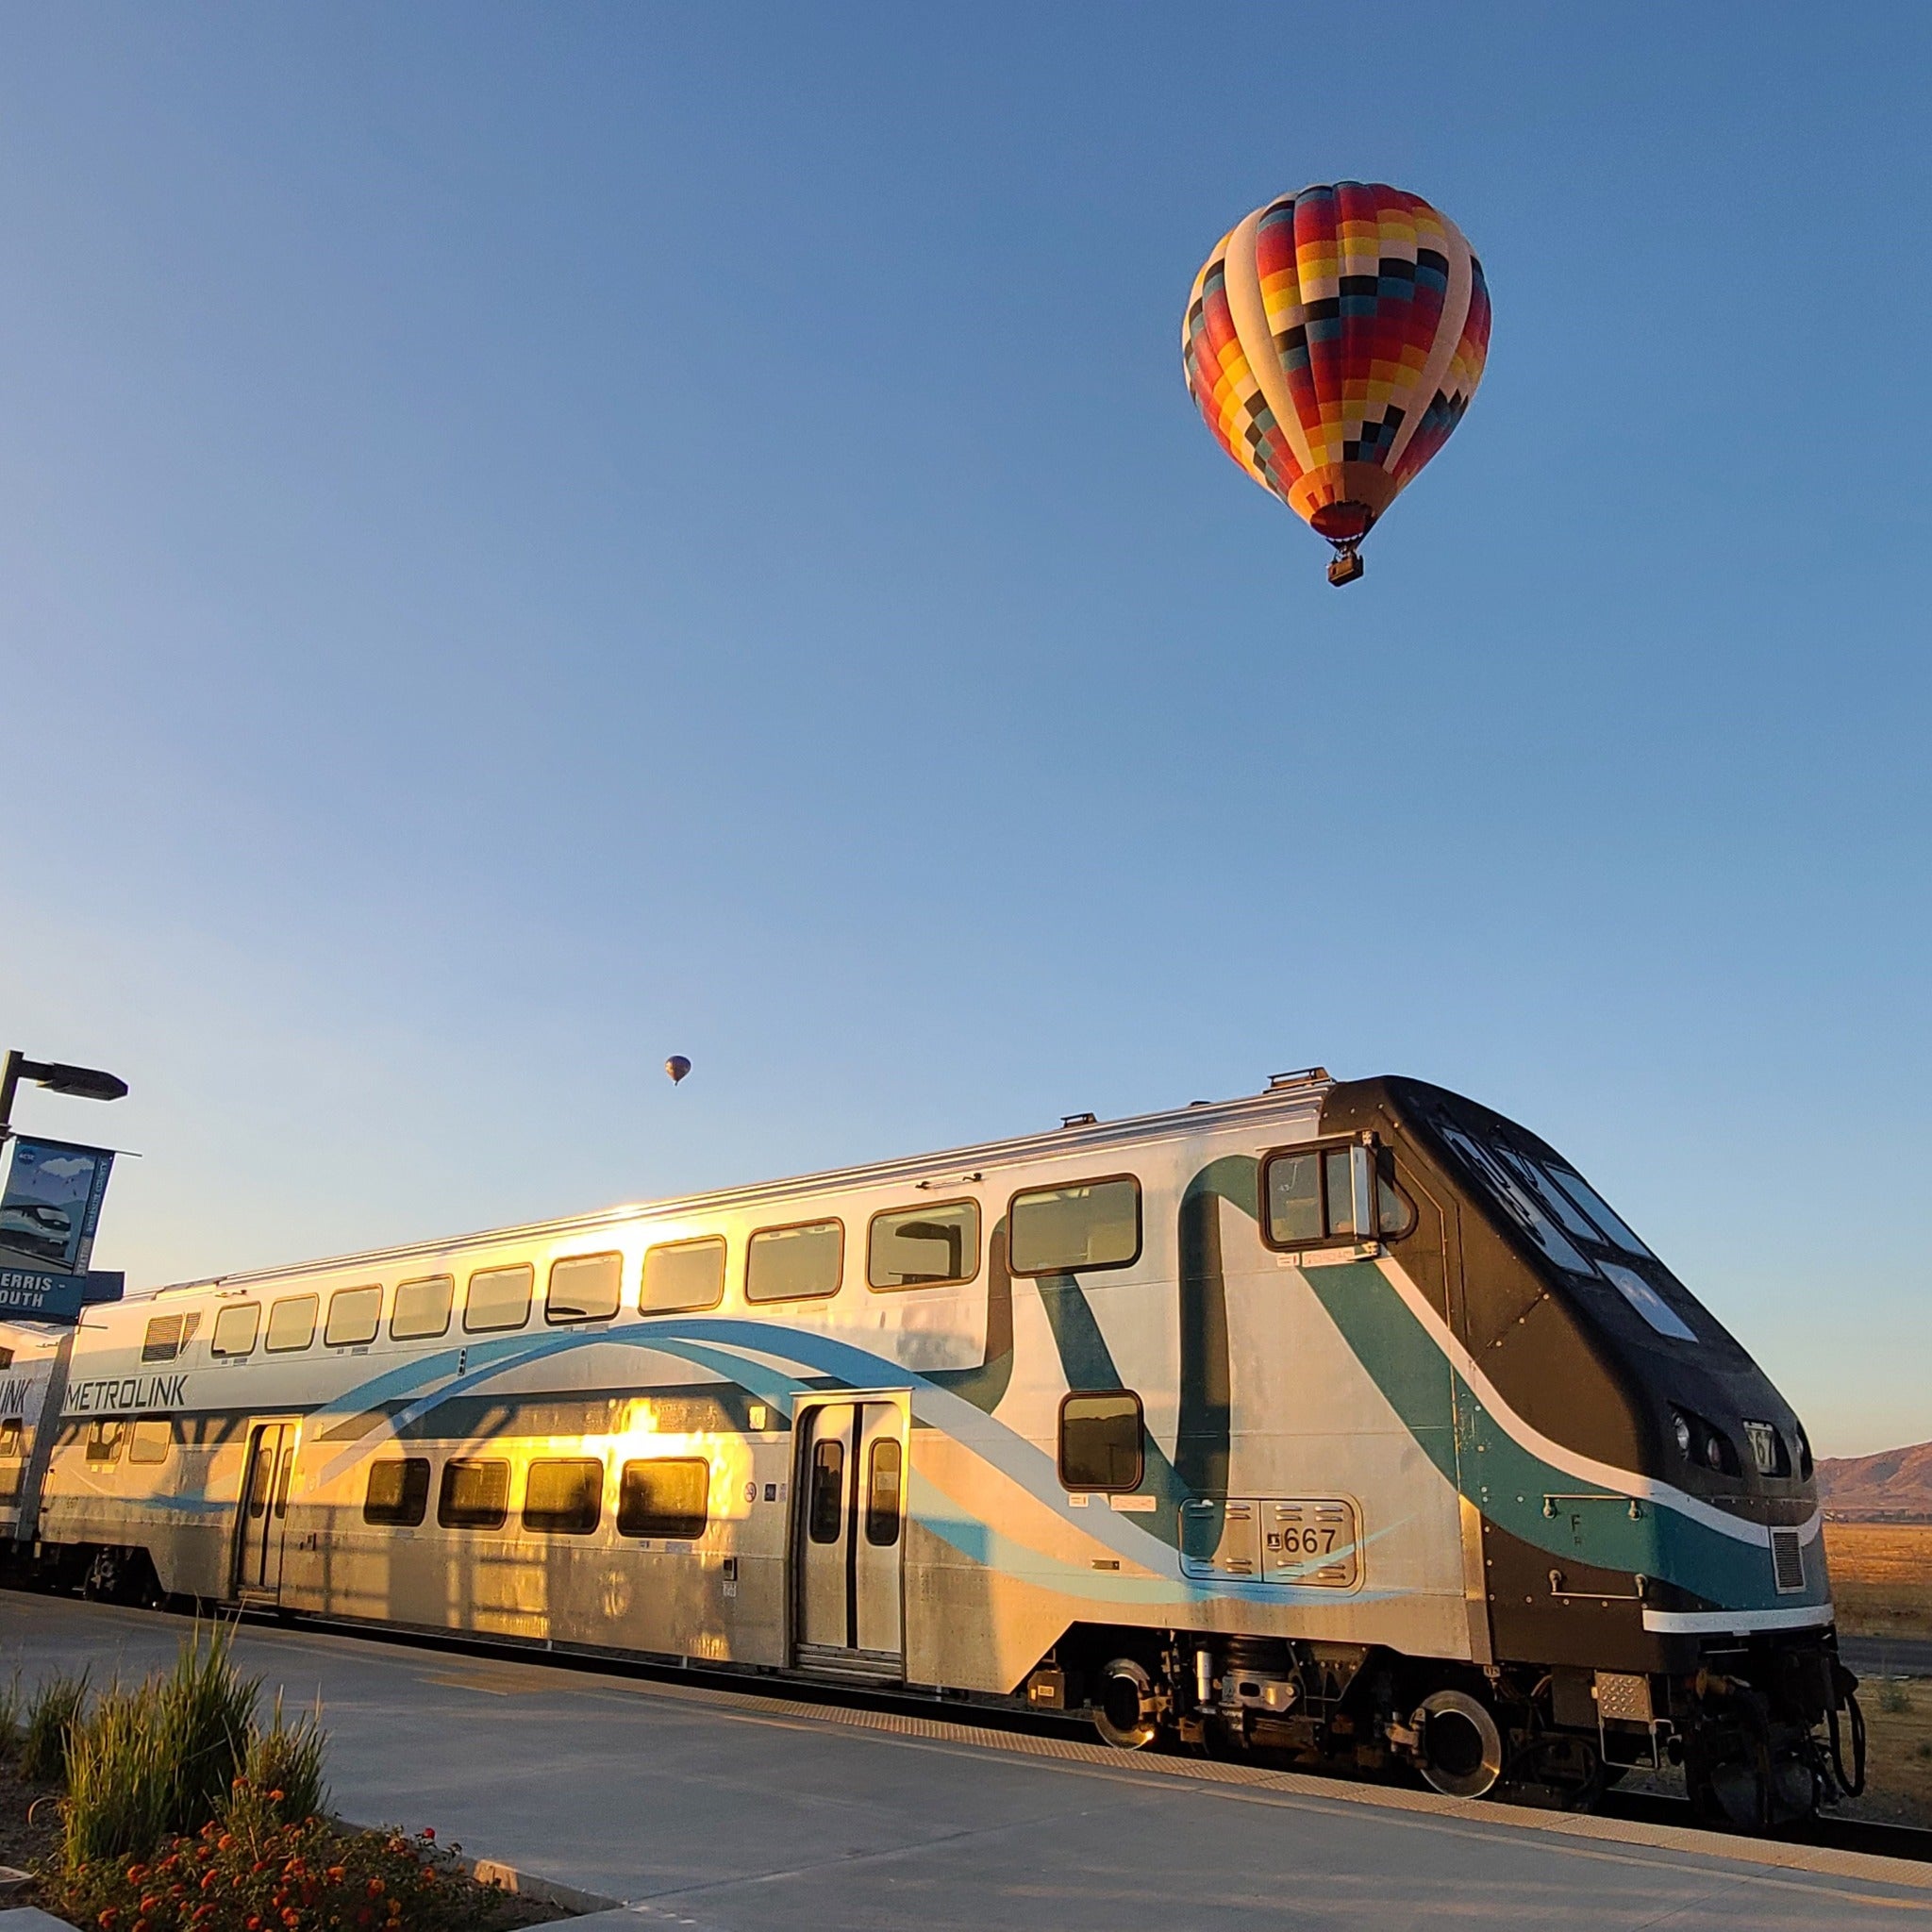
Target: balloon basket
[1345,567]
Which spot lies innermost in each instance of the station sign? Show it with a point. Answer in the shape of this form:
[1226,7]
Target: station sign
[49,1214]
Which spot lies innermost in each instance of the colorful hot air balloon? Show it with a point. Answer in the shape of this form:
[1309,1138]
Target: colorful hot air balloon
[1332,343]
[677,1067]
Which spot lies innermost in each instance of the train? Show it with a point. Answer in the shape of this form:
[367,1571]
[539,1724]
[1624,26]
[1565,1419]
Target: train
[1344,1423]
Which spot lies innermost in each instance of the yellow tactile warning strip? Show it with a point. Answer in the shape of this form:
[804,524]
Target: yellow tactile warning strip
[1773,1853]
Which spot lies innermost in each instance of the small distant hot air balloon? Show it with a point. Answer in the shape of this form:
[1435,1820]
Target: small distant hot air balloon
[1332,343]
[677,1067]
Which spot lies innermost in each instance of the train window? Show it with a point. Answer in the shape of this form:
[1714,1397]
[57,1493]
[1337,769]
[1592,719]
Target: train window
[164,1340]
[13,1436]
[236,1327]
[584,1288]
[1093,1225]
[668,1497]
[353,1316]
[1522,1203]
[103,1441]
[13,1466]
[476,1493]
[921,1247]
[398,1492]
[882,1493]
[1599,1210]
[150,1440]
[825,1511]
[1310,1197]
[291,1323]
[1101,1441]
[498,1298]
[792,1264]
[683,1274]
[564,1495]
[421,1308]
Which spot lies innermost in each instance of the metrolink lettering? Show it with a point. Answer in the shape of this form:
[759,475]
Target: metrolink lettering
[132,1391]
[13,1395]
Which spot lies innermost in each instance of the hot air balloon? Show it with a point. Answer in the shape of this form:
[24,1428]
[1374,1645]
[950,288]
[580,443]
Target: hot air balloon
[677,1067]
[1332,343]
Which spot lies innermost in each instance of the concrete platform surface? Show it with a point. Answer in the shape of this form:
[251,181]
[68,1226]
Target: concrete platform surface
[726,1810]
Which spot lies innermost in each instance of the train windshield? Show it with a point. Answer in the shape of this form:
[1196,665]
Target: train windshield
[1573,1225]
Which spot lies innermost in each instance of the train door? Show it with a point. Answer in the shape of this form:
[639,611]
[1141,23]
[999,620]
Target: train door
[262,1513]
[848,1537]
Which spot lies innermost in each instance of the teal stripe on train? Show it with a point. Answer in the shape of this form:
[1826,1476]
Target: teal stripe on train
[1507,1482]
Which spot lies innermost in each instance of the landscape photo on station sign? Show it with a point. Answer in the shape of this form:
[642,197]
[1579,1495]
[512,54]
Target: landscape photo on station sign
[52,1205]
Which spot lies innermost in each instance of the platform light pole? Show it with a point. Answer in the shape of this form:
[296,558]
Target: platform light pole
[84,1083]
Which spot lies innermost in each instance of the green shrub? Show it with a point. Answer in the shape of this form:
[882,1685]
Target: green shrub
[205,1713]
[161,1759]
[12,1703]
[50,1715]
[120,1777]
[281,1776]
[1893,1701]
[305,1877]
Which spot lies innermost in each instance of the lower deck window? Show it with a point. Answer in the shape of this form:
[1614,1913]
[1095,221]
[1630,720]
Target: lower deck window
[475,1494]
[564,1495]
[150,1440]
[103,1441]
[398,1492]
[12,1458]
[1100,1440]
[668,1496]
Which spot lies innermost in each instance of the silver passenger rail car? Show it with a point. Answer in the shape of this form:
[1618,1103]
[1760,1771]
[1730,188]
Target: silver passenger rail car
[1345,1422]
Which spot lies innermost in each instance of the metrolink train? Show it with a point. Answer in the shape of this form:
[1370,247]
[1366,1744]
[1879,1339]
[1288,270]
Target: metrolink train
[1345,1424]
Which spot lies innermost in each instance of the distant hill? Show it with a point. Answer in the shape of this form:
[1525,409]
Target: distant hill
[1894,1486]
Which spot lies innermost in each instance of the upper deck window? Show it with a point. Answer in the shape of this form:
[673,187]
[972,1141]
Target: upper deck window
[790,1264]
[421,1308]
[235,1330]
[498,1298]
[353,1316]
[1091,1224]
[925,1247]
[165,1339]
[584,1288]
[291,1323]
[683,1274]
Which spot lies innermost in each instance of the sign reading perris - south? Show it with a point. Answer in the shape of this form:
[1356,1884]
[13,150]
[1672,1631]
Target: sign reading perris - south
[47,1220]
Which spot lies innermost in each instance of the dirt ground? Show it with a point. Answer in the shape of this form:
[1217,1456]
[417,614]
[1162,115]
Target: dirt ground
[1881,1577]
[1881,1582]
[1898,1777]
[24,1846]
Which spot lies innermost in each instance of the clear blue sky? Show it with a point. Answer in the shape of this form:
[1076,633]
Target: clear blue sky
[532,539]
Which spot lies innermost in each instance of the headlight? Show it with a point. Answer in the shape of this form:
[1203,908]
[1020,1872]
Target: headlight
[1681,1429]
[1713,1451]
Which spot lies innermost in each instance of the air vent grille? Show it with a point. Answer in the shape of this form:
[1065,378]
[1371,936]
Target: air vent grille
[1787,1561]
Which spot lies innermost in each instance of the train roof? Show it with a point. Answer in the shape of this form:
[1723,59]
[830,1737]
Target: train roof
[1286,1094]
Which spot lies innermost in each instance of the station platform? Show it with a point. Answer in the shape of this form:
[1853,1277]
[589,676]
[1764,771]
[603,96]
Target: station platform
[724,1810]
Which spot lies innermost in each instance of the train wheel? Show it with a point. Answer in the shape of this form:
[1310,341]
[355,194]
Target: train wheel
[1461,1750]
[1128,1711]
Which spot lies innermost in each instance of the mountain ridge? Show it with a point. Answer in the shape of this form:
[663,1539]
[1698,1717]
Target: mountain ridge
[1893,1486]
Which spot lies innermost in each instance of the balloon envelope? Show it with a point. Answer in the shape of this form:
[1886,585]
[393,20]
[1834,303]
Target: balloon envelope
[1332,342]
[677,1067]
